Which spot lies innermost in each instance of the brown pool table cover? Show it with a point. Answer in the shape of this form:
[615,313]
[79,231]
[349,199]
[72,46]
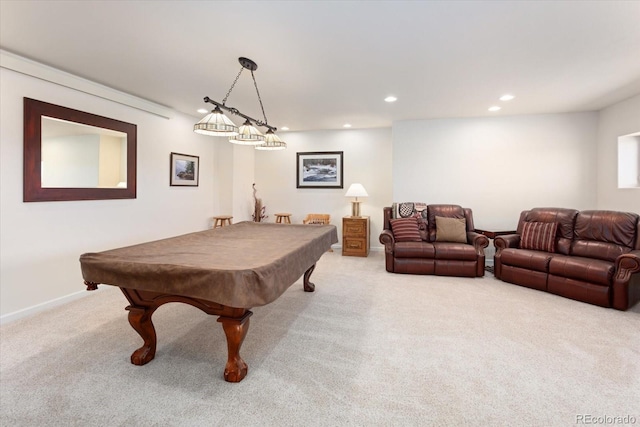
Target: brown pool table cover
[244,265]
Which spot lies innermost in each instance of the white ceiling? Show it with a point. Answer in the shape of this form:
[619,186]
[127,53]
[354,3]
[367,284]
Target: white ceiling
[325,63]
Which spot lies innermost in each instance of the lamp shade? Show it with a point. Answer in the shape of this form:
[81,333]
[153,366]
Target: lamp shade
[247,135]
[356,190]
[216,124]
[271,142]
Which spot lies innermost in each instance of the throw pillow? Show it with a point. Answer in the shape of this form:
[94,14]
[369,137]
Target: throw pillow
[539,236]
[406,209]
[405,229]
[451,230]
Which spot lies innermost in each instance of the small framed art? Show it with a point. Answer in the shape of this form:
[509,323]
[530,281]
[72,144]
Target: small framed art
[185,170]
[319,169]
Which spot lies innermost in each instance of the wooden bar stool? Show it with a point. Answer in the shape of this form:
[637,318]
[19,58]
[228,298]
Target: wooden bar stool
[283,218]
[222,220]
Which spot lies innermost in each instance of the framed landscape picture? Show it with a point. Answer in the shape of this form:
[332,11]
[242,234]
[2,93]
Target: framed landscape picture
[185,170]
[319,169]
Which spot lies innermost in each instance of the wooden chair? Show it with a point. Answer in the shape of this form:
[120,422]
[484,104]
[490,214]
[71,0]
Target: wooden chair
[317,219]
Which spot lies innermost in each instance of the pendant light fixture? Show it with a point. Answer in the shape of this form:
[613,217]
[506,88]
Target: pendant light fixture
[217,124]
[271,142]
[247,135]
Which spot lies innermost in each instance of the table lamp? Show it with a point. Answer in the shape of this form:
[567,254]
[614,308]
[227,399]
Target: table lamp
[356,190]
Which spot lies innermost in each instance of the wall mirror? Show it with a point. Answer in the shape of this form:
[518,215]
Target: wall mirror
[73,155]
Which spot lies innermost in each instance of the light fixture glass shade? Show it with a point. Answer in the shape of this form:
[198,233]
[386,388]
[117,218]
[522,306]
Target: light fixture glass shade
[216,124]
[271,142]
[247,135]
[356,190]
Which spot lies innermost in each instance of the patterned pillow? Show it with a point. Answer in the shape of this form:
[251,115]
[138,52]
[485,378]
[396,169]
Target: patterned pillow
[405,229]
[451,230]
[539,236]
[406,209]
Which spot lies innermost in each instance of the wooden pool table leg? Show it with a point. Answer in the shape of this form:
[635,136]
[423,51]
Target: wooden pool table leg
[235,329]
[235,323]
[308,286]
[140,320]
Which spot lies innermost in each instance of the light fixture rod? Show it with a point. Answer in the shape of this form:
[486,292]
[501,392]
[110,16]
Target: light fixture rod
[238,113]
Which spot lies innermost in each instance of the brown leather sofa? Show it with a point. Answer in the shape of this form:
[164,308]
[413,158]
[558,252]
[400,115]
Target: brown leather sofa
[429,255]
[595,258]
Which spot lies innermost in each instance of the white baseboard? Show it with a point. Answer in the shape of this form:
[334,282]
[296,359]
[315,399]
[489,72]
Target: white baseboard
[30,311]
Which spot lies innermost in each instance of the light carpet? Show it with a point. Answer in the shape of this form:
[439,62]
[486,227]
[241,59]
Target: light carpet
[368,348]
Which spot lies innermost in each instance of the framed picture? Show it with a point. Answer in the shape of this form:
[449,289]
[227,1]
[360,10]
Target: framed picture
[185,170]
[319,170]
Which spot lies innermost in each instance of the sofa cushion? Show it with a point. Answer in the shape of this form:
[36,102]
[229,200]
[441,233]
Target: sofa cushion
[539,236]
[585,269]
[405,230]
[607,226]
[599,250]
[604,234]
[455,251]
[414,250]
[524,258]
[451,230]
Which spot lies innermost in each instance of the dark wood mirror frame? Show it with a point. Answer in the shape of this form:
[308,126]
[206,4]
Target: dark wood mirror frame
[33,191]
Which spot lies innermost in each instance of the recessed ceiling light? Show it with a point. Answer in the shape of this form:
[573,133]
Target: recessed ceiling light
[390,98]
[494,108]
[284,128]
[506,97]
[202,110]
[346,125]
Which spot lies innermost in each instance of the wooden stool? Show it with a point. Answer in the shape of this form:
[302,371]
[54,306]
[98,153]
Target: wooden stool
[221,221]
[283,218]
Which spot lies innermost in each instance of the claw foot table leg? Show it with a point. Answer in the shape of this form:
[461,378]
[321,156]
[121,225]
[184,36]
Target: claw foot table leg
[235,329]
[140,320]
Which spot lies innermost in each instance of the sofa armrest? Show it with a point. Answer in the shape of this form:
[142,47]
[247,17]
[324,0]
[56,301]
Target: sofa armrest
[479,241]
[506,241]
[627,264]
[387,239]
[626,281]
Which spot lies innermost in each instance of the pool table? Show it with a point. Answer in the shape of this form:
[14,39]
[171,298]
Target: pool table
[224,271]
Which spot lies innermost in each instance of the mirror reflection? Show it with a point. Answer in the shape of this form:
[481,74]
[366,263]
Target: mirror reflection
[74,155]
[82,156]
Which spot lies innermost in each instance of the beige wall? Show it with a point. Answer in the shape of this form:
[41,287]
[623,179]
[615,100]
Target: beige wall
[617,120]
[497,166]
[367,160]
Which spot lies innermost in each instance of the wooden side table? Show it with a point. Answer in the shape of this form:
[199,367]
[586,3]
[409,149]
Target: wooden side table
[355,236]
[492,235]
[222,220]
[283,218]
